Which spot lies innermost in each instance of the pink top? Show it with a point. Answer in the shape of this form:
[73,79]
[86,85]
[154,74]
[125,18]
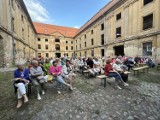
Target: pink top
[55,70]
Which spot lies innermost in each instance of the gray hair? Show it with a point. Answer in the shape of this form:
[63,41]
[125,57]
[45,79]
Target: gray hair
[34,62]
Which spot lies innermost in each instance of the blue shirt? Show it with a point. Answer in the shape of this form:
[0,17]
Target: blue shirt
[23,75]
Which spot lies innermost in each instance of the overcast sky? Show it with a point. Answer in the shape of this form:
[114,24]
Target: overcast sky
[72,13]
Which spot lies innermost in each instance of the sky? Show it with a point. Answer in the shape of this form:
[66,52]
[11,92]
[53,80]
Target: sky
[71,13]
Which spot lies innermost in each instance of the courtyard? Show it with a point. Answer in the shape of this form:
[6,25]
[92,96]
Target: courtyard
[89,100]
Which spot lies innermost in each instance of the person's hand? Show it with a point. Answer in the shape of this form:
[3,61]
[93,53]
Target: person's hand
[26,81]
[17,78]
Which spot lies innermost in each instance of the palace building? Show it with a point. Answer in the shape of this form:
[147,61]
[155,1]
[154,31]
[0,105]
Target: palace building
[54,41]
[122,27]
[17,33]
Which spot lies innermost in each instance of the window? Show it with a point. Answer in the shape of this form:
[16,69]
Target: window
[85,53]
[46,46]
[39,46]
[92,42]
[13,24]
[85,44]
[71,42]
[76,41]
[66,47]
[71,47]
[147,1]
[47,55]
[118,32]
[57,40]
[46,40]
[80,46]
[57,47]
[118,16]
[22,19]
[39,55]
[147,49]
[92,32]
[92,53]
[66,41]
[76,47]
[85,36]
[22,32]
[102,26]
[39,39]
[80,54]
[102,39]
[148,21]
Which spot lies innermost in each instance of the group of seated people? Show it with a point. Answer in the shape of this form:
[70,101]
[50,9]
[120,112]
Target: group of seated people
[38,74]
[62,70]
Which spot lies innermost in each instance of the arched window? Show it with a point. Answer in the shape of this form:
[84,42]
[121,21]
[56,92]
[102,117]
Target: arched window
[57,47]
[57,40]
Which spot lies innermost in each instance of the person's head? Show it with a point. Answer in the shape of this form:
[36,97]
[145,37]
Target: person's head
[108,61]
[54,63]
[34,63]
[20,66]
[67,63]
[47,61]
[118,62]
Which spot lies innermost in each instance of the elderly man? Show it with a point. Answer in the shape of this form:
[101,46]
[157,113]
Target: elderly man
[37,78]
[21,79]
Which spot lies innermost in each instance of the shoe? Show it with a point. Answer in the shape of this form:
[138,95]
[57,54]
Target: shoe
[19,104]
[59,92]
[119,87]
[43,92]
[38,96]
[25,98]
[71,88]
[126,84]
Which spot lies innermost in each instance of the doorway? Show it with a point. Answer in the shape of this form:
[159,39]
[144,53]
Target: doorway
[58,55]
[119,50]
[102,53]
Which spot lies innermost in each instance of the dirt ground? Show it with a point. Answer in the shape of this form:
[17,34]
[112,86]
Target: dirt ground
[89,100]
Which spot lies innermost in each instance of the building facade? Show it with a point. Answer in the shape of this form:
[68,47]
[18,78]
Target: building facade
[17,33]
[54,41]
[122,27]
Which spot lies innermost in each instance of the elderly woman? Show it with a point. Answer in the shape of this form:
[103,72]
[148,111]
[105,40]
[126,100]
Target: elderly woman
[110,72]
[37,78]
[21,79]
[67,72]
[56,72]
[117,67]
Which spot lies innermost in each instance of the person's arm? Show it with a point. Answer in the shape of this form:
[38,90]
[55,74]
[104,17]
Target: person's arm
[16,77]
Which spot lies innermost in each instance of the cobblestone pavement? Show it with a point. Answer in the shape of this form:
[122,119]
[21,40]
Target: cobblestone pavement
[90,101]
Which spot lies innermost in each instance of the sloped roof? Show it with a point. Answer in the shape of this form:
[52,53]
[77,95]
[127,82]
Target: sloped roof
[48,29]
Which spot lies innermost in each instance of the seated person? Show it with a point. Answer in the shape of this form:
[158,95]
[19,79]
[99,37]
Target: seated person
[158,61]
[46,67]
[97,67]
[90,64]
[80,64]
[67,72]
[37,78]
[110,72]
[56,72]
[117,67]
[21,79]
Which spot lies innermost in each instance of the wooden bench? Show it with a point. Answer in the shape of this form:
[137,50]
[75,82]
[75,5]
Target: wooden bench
[140,68]
[158,66]
[104,79]
[86,73]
